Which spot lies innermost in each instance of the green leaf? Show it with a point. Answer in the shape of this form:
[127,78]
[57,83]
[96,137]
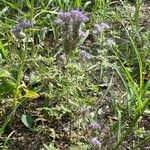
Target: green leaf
[78,3]
[7,87]
[146,88]
[13,5]
[4,73]
[27,120]
[2,50]
[50,147]
[79,145]
[28,3]
[3,11]
[31,94]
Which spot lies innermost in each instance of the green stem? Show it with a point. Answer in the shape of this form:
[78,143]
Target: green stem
[131,126]
[20,74]
[137,13]
[98,106]
[31,18]
[141,143]
[7,120]
[32,9]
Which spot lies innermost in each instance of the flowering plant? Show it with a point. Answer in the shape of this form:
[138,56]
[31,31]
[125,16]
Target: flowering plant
[70,24]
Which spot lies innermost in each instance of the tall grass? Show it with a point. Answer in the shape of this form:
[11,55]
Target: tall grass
[137,102]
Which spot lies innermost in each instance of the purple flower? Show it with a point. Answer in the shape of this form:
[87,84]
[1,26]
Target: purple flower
[16,30]
[59,22]
[94,141]
[84,54]
[95,125]
[110,42]
[70,23]
[26,24]
[98,28]
[78,16]
[64,16]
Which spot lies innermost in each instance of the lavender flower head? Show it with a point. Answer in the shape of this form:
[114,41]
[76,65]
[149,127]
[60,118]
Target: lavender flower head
[84,54]
[26,24]
[110,42]
[98,28]
[19,28]
[104,25]
[70,29]
[59,22]
[16,30]
[95,142]
[95,125]
[78,16]
[64,16]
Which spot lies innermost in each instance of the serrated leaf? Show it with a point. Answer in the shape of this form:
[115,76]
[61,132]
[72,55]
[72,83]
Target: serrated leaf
[27,120]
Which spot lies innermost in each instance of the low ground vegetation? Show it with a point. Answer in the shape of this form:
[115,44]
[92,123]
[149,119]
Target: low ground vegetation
[74,75]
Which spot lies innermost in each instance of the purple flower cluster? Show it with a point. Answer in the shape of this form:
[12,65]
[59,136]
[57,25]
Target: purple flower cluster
[63,18]
[59,22]
[95,125]
[26,24]
[95,142]
[69,23]
[16,29]
[64,15]
[20,27]
[98,28]
[110,42]
[78,16]
[75,15]
[84,54]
